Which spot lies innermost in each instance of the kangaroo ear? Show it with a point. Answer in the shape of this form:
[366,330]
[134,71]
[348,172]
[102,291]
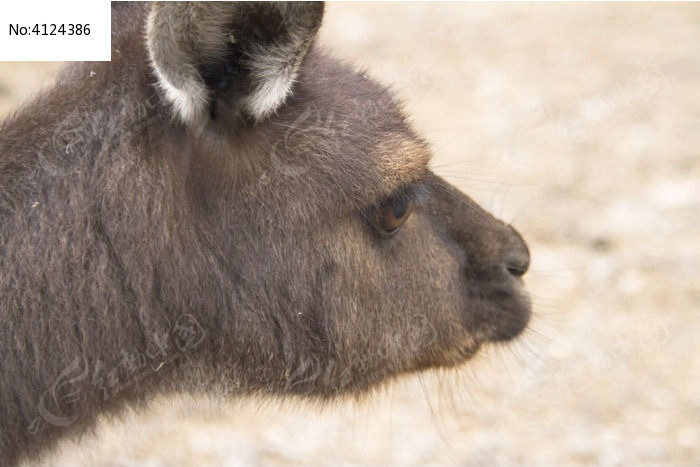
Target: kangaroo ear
[243,56]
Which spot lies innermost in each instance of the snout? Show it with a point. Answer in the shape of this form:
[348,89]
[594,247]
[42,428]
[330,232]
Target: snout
[497,306]
[512,312]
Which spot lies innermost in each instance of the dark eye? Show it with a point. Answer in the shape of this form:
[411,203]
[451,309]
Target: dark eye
[388,217]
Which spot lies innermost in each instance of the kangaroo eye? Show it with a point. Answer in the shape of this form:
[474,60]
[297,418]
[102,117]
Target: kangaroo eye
[388,217]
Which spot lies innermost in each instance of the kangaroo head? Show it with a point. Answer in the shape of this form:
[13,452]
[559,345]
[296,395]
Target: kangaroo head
[352,260]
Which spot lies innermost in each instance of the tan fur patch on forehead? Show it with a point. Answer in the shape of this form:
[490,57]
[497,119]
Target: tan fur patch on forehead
[401,159]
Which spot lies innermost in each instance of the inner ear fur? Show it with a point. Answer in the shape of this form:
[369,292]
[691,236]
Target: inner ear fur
[244,55]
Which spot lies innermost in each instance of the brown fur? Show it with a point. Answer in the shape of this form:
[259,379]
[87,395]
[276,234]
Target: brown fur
[141,254]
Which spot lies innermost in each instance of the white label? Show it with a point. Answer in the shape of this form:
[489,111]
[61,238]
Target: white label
[43,30]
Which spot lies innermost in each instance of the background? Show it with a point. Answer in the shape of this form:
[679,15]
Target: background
[579,123]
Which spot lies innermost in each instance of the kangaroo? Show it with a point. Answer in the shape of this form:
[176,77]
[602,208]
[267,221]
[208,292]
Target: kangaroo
[225,208]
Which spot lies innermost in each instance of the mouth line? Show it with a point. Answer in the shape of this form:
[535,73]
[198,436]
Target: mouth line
[503,315]
[500,314]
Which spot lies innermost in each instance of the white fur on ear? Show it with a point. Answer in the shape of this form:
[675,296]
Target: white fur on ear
[175,34]
[275,70]
[184,35]
[190,100]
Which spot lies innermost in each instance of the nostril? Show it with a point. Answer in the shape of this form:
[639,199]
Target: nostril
[517,262]
[517,259]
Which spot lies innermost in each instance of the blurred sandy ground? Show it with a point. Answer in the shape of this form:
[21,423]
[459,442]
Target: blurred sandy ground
[580,123]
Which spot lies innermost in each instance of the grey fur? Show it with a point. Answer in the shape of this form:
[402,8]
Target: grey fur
[141,255]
